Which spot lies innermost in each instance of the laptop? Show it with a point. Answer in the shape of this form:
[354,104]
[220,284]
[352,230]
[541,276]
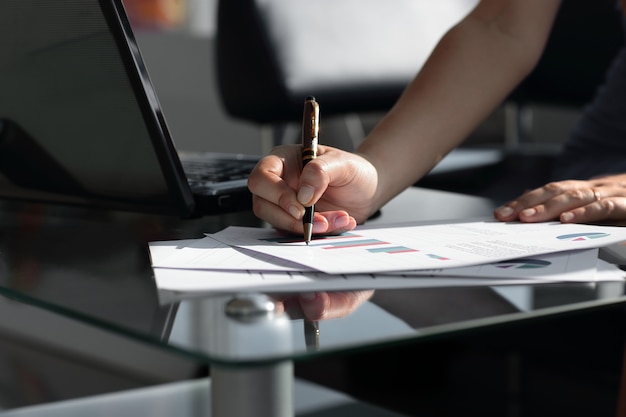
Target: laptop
[80,122]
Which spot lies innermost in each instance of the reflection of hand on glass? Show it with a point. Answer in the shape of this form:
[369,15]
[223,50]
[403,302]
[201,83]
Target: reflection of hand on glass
[321,305]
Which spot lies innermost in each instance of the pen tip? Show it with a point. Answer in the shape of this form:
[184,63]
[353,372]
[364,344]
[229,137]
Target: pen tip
[308,232]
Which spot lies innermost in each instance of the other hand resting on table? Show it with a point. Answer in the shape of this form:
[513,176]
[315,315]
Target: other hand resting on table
[599,200]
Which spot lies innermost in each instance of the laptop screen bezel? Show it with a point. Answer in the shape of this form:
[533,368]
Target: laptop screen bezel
[39,165]
[116,17]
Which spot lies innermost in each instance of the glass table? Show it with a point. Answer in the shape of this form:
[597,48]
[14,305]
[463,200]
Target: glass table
[416,351]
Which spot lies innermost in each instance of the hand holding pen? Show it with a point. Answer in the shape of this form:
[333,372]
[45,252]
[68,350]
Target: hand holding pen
[341,184]
[310,131]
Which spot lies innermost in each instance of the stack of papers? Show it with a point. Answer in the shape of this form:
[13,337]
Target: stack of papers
[424,254]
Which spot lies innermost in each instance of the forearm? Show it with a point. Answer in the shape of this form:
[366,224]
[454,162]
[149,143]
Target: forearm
[470,72]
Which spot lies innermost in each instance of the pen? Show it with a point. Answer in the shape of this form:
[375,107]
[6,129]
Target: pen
[312,334]
[310,130]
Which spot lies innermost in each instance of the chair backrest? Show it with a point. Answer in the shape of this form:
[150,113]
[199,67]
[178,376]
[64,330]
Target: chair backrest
[359,55]
[353,55]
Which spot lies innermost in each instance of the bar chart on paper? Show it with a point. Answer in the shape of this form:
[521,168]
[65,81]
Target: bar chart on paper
[422,246]
[348,241]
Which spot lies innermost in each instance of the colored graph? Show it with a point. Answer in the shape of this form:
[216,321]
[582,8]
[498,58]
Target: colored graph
[346,241]
[439,258]
[523,264]
[583,236]
[392,250]
[350,244]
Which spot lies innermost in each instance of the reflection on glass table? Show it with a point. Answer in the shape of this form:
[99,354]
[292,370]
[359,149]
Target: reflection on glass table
[390,316]
[93,267]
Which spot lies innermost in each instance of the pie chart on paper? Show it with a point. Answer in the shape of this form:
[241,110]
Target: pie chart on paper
[583,236]
[523,264]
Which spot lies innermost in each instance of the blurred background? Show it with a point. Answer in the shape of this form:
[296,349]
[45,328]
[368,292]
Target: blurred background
[177,40]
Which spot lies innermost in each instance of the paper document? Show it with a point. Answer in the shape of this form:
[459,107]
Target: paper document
[190,283]
[465,253]
[209,253]
[200,282]
[576,266]
[422,245]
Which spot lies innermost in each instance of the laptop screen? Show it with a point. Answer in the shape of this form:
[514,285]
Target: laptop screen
[74,125]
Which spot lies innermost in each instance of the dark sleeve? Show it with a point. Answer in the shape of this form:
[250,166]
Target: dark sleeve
[597,143]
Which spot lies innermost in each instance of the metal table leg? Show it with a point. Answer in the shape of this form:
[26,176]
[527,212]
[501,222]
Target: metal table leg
[249,330]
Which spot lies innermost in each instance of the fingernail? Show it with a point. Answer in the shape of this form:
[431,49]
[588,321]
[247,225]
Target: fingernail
[341,222]
[305,194]
[318,227]
[294,211]
[529,212]
[504,211]
[567,217]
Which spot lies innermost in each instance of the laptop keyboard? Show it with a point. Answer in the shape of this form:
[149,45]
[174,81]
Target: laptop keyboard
[207,173]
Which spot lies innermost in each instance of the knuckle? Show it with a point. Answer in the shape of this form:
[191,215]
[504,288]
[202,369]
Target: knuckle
[554,187]
[316,168]
[285,200]
[607,205]
[253,183]
[577,194]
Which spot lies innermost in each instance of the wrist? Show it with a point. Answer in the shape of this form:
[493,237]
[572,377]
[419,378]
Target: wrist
[376,180]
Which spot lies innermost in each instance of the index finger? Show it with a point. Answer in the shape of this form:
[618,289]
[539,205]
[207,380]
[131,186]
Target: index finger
[531,199]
